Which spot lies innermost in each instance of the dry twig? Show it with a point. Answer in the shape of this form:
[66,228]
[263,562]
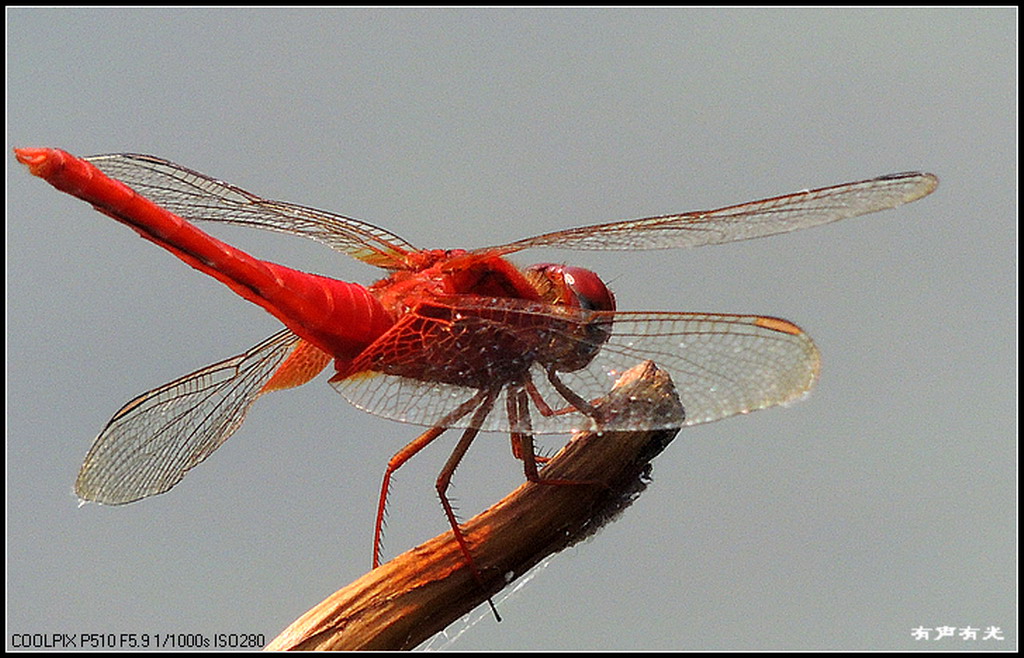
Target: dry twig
[409,599]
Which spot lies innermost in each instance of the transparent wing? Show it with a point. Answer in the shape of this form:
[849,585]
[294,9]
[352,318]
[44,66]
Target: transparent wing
[149,445]
[743,222]
[721,365]
[197,197]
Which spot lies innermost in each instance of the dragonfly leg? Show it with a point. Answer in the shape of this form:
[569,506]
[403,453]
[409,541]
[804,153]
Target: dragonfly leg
[400,457]
[578,403]
[521,432]
[522,440]
[445,477]
[404,455]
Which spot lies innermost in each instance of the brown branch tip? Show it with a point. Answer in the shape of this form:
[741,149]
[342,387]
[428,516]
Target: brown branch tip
[417,594]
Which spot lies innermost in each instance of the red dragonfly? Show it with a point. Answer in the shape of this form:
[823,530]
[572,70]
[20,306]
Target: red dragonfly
[447,333]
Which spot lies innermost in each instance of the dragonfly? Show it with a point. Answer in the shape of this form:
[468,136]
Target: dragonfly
[449,336]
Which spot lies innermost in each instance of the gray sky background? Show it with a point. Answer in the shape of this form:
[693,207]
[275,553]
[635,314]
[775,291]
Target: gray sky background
[883,502]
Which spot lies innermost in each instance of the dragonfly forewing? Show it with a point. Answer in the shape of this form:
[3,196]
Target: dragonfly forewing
[745,221]
[721,365]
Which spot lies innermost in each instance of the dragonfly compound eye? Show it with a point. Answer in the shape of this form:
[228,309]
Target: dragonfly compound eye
[589,289]
[571,286]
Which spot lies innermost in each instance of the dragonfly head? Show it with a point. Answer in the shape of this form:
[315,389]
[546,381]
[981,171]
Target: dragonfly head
[571,286]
